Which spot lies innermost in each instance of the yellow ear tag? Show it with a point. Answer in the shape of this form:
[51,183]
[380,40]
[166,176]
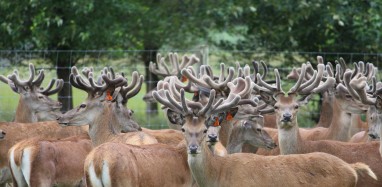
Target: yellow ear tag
[108,95]
[183,79]
[216,123]
[229,116]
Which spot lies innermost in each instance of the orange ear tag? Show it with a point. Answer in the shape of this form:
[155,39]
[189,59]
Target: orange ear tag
[108,95]
[229,116]
[183,79]
[216,123]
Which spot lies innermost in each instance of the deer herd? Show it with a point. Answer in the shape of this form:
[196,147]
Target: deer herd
[236,128]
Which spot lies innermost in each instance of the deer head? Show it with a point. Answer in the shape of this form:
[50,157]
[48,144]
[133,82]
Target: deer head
[371,96]
[286,105]
[195,113]
[34,99]
[106,100]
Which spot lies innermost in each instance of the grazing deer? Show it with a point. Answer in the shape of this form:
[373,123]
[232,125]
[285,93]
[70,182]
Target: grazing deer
[315,169]
[34,104]
[104,109]
[290,138]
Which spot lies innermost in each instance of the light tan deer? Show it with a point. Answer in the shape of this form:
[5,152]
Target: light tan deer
[34,104]
[373,99]
[102,108]
[19,131]
[316,169]
[290,138]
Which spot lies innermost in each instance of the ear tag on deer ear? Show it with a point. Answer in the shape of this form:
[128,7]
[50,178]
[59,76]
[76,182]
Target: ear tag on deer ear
[108,95]
[216,123]
[183,79]
[229,116]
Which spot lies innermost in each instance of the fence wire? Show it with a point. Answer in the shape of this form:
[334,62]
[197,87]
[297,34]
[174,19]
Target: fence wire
[128,61]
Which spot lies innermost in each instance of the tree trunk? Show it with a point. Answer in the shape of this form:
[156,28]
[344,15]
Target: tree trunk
[63,72]
[151,80]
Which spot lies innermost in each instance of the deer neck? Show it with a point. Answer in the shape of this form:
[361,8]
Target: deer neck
[104,128]
[204,166]
[24,113]
[326,114]
[235,142]
[225,131]
[289,138]
[339,128]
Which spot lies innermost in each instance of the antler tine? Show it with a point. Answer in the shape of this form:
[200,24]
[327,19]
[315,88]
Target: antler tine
[299,81]
[132,89]
[221,85]
[316,82]
[343,67]
[164,101]
[173,57]
[255,65]
[359,84]
[207,107]
[15,78]
[338,73]
[265,69]
[232,100]
[191,76]
[243,87]
[39,79]
[263,86]
[373,88]
[356,70]
[329,70]
[222,76]
[361,66]
[186,61]
[293,75]
[347,79]
[247,70]
[85,71]
[160,68]
[50,91]
[4,79]
[369,71]
[310,70]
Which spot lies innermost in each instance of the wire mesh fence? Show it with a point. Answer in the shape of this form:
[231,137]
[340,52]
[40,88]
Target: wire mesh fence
[128,61]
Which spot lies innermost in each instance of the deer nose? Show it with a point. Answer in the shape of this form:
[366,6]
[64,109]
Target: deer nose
[372,136]
[213,137]
[287,116]
[193,149]
[4,133]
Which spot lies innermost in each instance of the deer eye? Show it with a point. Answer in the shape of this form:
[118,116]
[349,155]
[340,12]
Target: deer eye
[296,107]
[183,130]
[258,130]
[40,97]
[205,131]
[276,107]
[82,106]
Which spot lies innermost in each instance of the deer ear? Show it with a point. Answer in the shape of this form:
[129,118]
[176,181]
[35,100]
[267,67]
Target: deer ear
[304,100]
[230,114]
[174,117]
